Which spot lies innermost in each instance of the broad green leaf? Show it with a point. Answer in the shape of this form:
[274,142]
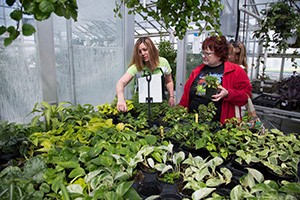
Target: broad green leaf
[28,29]
[10,2]
[16,15]
[46,6]
[151,139]
[88,178]
[291,188]
[202,193]
[123,188]
[34,168]
[120,126]
[236,193]
[259,177]
[105,160]
[44,187]
[178,157]
[262,187]
[56,183]
[213,182]
[121,176]
[200,143]
[7,41]
[77,172]
[69,164]
[75,188]
[227,173]
[132,194]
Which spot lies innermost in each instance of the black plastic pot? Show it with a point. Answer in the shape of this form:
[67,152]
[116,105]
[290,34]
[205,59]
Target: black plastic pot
[202,152]
[170,197]
[209,92]
[146,189]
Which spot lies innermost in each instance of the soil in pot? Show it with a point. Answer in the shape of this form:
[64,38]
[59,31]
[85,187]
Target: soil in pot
[146,189]
[138,176]
[146,169]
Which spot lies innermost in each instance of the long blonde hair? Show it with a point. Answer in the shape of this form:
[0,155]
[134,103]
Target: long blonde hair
[153,54]
[239,58]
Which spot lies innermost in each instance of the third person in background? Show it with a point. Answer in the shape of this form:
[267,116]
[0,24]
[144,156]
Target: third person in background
[237,54]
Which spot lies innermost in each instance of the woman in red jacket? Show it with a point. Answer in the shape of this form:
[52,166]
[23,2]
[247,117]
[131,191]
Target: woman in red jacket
[234,88]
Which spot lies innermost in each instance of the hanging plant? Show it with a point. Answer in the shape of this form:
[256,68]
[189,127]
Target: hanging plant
[283,18]
[179,14]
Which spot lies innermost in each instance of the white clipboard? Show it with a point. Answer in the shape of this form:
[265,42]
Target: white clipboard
[155,89]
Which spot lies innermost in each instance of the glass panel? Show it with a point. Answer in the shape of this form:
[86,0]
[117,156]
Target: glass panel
[20,82]
[96,73]
[93,60]
[20,75]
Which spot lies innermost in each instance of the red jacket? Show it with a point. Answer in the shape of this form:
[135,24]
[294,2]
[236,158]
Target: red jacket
[235,81]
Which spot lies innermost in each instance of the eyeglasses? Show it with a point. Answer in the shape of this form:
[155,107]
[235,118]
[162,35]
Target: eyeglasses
[207,54]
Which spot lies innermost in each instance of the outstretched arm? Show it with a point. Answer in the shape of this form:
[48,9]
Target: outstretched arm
[170,88]
[120,87]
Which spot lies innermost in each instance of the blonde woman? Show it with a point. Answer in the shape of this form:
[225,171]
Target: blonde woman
[237,54]
[145,60]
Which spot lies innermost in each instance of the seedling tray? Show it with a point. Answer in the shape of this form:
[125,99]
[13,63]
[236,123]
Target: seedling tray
[268,100]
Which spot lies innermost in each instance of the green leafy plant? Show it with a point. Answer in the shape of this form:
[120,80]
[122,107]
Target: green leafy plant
[204,176]
[167,50]
[13,141]
[26,182]
[274,150]
[179,14]
[282,17]
[170,170]
[253,186]
[212,81]
[40,10]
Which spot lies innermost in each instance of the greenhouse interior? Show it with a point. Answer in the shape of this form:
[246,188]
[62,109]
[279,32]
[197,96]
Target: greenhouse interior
[70,129]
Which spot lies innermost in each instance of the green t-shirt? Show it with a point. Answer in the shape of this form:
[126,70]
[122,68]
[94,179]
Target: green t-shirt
[163,66]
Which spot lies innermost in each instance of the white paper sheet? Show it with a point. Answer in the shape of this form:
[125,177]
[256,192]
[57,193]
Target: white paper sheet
[155,89]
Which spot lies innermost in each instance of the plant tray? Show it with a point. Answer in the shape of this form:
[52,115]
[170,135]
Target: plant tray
[268,100]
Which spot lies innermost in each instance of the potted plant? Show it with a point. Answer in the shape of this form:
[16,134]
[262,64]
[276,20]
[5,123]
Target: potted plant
[289,91]
[204,176]
[282,17]
[211,88]
[170,172]
[255,186]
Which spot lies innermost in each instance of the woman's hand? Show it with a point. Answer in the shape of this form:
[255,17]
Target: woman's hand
[121,106]
[172,101]
[222,94]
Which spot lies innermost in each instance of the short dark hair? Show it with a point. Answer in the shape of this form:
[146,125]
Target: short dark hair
[218,44]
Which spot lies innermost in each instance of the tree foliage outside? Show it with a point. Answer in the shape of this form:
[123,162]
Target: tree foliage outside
[167,50]
[40,10]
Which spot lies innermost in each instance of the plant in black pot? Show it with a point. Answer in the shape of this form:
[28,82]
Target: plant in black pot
[212,84]
[289,91]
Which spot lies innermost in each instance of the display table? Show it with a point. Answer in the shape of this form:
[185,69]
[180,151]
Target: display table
[286,121]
